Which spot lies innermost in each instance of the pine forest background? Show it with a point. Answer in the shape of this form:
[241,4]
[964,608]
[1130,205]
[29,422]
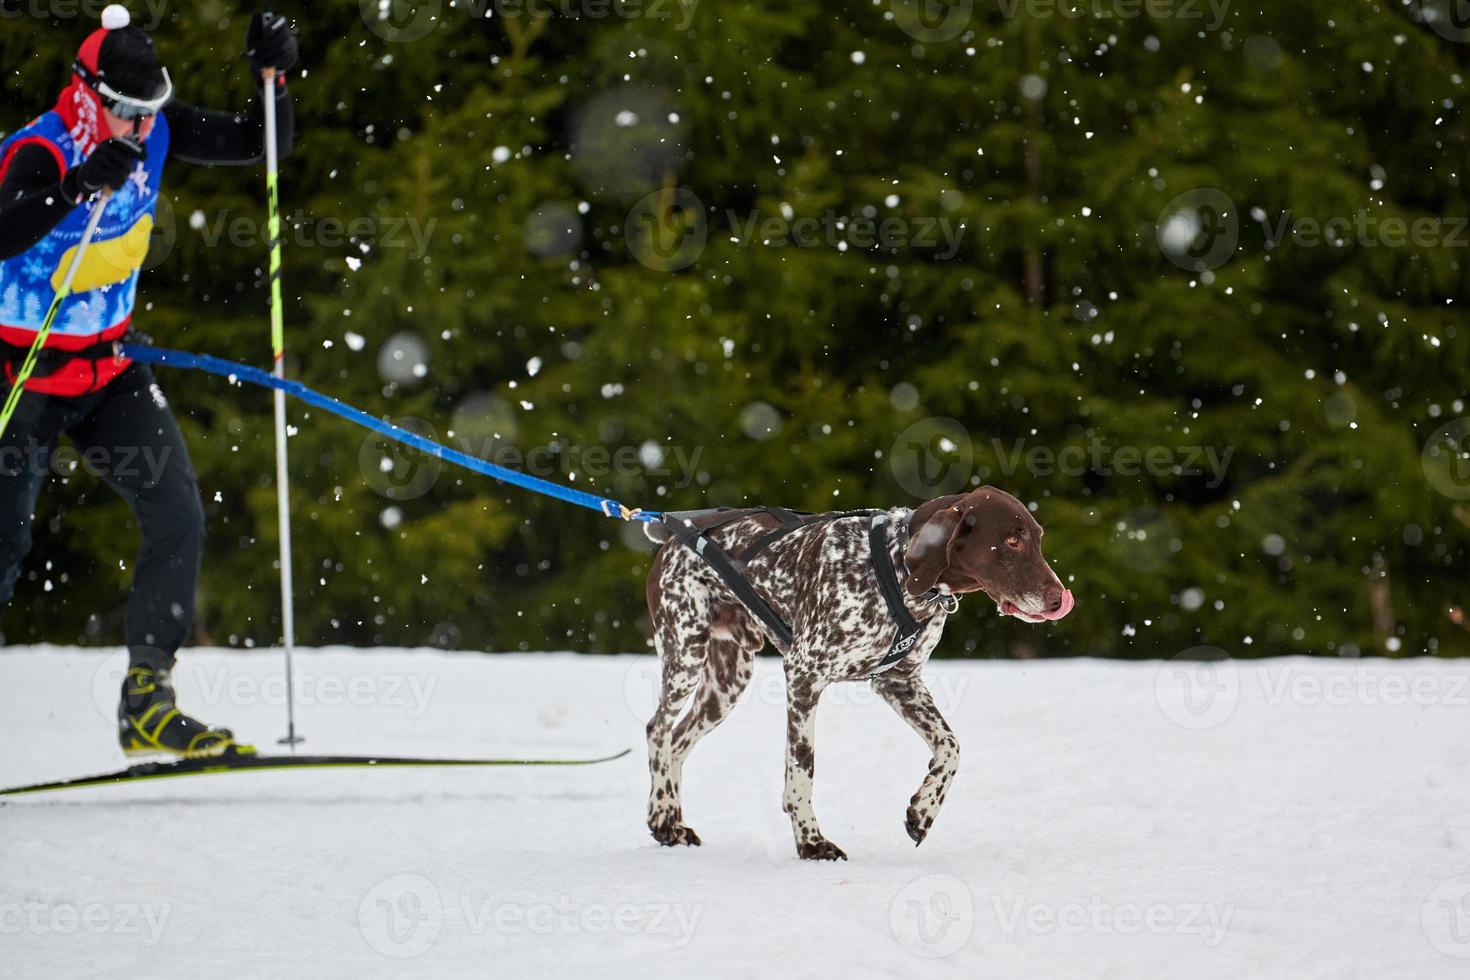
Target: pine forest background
[579,225]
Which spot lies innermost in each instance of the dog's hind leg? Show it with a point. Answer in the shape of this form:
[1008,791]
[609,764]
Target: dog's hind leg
[909,697]
[735,639]
[803,690]
[682,636]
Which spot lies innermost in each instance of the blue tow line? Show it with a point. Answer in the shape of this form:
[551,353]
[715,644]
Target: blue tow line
[244,372]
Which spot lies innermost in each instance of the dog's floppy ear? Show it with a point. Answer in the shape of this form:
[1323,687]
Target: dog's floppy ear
[931,541]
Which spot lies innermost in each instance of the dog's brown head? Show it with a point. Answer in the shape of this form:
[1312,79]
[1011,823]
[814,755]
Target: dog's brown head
[984,541]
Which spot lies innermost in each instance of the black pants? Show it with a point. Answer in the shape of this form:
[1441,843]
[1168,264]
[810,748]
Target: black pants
[126,434]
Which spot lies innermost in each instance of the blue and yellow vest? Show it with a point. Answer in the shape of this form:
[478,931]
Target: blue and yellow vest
[106,286]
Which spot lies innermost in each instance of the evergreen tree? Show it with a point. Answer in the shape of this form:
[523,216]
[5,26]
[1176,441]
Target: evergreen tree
[1118,242]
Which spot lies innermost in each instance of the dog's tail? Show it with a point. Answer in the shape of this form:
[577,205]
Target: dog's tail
[661,531]
[657,532]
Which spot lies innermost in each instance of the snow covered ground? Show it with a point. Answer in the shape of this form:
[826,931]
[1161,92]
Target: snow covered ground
[1285,818]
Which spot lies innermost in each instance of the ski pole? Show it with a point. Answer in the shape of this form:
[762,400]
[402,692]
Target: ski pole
[278,345]
[28,366]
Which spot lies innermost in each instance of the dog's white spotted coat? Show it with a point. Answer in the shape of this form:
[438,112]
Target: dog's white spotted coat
[820,581]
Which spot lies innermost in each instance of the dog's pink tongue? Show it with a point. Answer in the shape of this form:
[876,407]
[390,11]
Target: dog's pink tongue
[1063,609]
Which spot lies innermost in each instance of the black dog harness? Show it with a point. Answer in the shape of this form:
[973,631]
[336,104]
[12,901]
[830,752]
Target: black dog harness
[683,526]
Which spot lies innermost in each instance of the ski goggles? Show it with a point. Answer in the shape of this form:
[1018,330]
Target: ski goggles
[128,107]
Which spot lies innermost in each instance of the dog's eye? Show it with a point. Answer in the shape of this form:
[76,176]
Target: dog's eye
[1014,542]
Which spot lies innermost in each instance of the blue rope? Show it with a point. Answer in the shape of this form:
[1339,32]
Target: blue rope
[243,372]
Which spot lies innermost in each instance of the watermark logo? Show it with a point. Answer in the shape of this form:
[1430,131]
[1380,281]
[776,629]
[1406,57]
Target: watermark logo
[667,229]
[1450,19]
[1199,230]
[932,457]
[397,471]
[398,22]
[933,916]
[1199,688]
[932,21]
[1446,459]
[401,917]
[1446,917]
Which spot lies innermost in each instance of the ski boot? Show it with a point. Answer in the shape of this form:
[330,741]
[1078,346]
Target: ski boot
[150,724]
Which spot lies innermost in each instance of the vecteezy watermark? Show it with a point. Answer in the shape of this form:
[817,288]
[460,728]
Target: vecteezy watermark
[399,22]
[1208,920]
[145,922]
[1104,459]
[936,456]
[669,229]
[643,684]
[1200,230]
[864,230]
[1450,19]
[130,465]
[1445,917]
[86,9]
[302,229]
[402,472]
[933,457]
[206,685]
[932,21]
[937,21]
[397,471]
[1200,688]
[403,916]
[1211,12]
[1446,459]
[933,916]
[359,688]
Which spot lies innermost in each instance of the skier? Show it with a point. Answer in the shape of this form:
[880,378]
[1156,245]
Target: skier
[112,130]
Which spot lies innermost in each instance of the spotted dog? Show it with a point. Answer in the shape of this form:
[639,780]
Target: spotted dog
[820,580]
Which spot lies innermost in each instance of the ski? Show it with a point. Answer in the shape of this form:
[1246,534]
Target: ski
[244,761]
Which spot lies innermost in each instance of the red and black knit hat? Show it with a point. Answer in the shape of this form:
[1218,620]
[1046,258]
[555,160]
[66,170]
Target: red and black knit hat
[122,57]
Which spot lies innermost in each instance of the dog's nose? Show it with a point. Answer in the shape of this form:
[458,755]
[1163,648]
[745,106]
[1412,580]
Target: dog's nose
[1053,596]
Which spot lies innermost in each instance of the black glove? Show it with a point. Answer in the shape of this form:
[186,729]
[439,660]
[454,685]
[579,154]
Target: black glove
[108,166]
[270,43]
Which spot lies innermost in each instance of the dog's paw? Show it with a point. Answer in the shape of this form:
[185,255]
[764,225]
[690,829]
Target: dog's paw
[820,850]
[917,825]
[674,834]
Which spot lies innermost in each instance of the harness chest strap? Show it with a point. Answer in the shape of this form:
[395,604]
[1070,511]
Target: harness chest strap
[888,583]
[696,538]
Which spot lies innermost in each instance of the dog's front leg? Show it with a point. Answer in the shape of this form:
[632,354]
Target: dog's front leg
[913,702]
[803,690]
